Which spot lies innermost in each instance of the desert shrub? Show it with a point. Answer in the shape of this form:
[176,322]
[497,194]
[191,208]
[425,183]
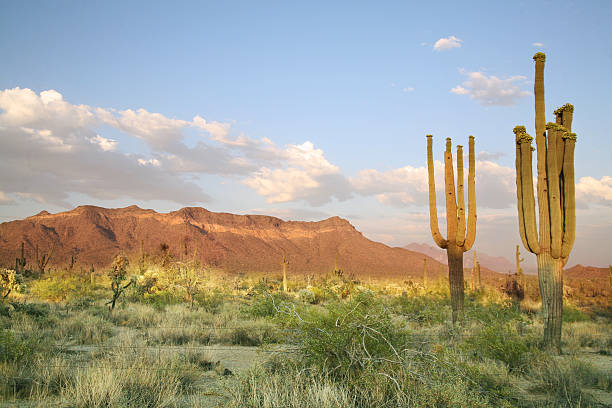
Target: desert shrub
[63,288]
[251,333]
[264,304]
[484,309]
[211,301]
[39,312]
[414,381]
[350,335]
[573,314]
[426,309]
[563,381]
[16,349]
[508,342]
[83,328]
[162,298]
[307,296]
[588,334]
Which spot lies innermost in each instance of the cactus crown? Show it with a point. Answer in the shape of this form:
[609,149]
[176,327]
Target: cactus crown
[539,56]
[519,130]
[471,137]
[569,135]
[567,107]
[429,135]
[555,126]
[523,137]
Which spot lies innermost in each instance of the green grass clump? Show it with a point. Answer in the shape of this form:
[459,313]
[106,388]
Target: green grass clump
[507,342]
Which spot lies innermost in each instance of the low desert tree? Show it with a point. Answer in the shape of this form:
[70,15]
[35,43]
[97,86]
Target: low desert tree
[458,239]
[118,277]
[10,281]
[188,278]
[556,201]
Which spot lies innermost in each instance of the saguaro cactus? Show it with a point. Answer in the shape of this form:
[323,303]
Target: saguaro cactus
[20,262]
[425,273]
[457,241]
[285,262]
[556,201]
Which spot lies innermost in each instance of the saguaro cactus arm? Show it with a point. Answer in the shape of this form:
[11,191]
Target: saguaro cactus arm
[471,222]
[460,199]
[449,188]
[569,199]
[433,209]
[554,203]
[524,183]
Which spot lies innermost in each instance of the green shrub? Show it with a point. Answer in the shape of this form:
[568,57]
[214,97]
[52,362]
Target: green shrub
[508,342]
[160,299]
[572,314]
[62,288]
[15,349]
[427,309]
[265,304]
[211,301]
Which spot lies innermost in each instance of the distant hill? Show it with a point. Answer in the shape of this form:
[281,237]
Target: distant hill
[235,243]
[494,263]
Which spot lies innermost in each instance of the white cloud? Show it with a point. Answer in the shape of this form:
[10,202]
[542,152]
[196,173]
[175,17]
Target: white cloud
[448,43]
[150,162]
[218,130]
[537,44]
[105,144]
[5,200]
[409,89]
[308,176]
[589,190]
[491,90]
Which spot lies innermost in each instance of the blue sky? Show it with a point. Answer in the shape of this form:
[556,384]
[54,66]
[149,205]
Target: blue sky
[306,110]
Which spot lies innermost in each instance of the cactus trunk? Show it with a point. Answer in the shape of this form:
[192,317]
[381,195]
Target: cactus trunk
[550,274]
[284,277]
[455,277]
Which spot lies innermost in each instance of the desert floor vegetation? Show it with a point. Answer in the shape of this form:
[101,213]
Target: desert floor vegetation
[324,342]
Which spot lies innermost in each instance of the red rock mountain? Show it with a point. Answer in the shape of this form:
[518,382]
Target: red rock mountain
[235,243]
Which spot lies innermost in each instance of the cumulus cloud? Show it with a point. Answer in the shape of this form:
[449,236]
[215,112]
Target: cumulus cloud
[589,190]
[491,90]
[447,43]
[537,44]
[50,148]
[307,176]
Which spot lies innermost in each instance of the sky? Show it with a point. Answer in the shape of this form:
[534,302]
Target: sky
[301,110]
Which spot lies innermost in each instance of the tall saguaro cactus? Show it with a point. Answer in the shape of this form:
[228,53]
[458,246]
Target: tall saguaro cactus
[458,239]
[556,201]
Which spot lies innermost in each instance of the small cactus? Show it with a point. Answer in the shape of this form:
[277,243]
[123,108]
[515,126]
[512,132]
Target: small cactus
[284,263]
